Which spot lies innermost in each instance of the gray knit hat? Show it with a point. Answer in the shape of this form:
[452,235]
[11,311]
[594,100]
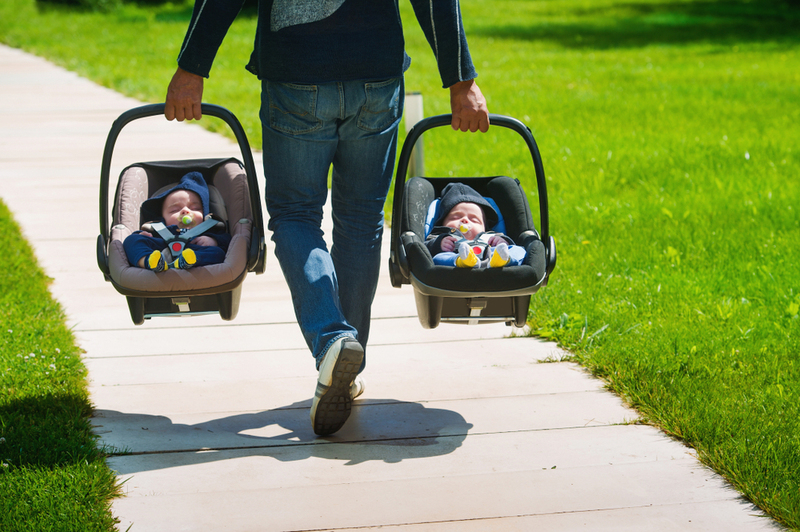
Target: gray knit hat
[456,193]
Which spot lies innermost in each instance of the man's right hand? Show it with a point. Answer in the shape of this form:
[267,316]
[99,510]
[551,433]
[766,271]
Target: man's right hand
[184,96]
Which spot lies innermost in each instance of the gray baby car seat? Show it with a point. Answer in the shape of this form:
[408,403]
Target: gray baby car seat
[459,295]
[233,200]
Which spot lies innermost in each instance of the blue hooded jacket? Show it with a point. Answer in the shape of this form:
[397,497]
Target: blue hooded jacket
[193,182]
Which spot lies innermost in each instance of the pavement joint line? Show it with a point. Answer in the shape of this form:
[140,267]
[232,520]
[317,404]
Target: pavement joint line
[329,441]
[364,403]
[516,516]
[274,350]
[226,353]
[231,324]
[201,327]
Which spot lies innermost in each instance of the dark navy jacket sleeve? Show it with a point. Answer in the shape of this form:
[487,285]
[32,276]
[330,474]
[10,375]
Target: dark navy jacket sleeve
[210,21]
[441,23]
[434,240]
[434,244]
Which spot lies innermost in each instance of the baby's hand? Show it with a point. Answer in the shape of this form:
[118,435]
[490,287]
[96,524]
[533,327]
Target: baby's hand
[496,239]
[449,243]
[146,233]
[204,240]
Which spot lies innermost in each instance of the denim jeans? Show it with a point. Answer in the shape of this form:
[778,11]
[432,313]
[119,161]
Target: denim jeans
[351,126]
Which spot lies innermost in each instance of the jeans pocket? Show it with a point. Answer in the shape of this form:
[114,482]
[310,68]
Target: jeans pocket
[383,106]
[292,108]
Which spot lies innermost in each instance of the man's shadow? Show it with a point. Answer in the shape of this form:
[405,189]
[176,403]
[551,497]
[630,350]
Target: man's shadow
[386,430]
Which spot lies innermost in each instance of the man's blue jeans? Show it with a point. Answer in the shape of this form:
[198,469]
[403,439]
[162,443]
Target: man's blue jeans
[351,126]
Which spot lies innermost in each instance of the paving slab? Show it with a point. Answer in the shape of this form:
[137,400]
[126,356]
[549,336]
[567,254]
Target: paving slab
[286,382]
[461,428]
[683,517]
[440,497]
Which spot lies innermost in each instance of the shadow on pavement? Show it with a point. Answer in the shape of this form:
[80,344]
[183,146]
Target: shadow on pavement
[378,430]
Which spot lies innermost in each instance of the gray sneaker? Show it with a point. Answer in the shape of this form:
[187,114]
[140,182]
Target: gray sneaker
[337,374]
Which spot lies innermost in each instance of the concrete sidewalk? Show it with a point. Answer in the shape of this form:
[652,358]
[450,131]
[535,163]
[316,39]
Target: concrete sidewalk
[460,428]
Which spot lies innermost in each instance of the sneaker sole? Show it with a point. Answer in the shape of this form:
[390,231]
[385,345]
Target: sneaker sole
[332,404]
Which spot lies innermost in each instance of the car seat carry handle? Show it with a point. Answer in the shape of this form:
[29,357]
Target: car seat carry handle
[445,120]
[495,120]
[255,256]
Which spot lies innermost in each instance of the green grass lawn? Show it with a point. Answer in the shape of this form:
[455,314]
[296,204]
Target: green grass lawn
[670,133]
[52,474]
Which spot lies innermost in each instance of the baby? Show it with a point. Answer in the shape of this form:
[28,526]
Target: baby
[182,207]
[459,237]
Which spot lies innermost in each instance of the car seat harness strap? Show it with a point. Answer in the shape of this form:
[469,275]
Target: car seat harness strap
[177,243]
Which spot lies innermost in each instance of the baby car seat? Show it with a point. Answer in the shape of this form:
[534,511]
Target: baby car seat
[463,295]
[233,200]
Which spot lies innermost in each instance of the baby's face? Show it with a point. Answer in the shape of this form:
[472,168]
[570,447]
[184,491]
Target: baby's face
[179,204]
[466,214]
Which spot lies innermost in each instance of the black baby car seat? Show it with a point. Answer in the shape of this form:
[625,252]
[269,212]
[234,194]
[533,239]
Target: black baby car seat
[459,295]
[233,199]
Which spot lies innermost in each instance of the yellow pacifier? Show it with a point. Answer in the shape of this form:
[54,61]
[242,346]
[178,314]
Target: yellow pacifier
[464,228]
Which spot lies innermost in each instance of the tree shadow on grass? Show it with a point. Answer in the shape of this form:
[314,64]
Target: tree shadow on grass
[633,25]
[377,430]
